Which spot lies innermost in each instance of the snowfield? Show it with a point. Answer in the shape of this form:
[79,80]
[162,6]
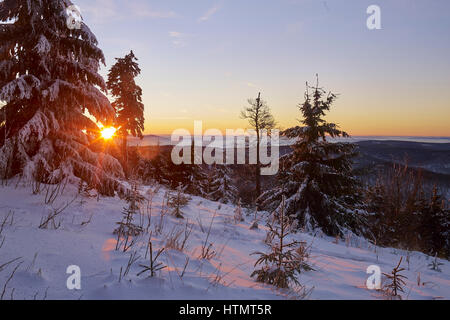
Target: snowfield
[85,238]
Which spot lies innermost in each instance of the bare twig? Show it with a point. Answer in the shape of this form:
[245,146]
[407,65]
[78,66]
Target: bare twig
[9,279]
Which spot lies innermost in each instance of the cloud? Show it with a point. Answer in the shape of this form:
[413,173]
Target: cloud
[101,11]
[175,34]
[140,8]
[211,11]
[171,118]
[178,38]
[104,11]
[149,13]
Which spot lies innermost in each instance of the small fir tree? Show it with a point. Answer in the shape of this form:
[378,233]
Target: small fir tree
[286,259]
[222,187]
[177,201]
[127,229]
[397,281]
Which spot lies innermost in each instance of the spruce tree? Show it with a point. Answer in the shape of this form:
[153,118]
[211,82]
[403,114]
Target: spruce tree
[197,183]
[49,80]
[222,187]
[434,225]
[316,178]
[165,172]
[197,174]
[286,259]
[177,201]
[128,99]
[406,213]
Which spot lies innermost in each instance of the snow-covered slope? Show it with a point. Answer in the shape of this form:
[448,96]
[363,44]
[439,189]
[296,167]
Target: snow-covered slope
[340,268]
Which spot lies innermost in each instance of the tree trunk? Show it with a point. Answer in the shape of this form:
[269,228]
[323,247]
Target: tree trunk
[258,167]
[125,154]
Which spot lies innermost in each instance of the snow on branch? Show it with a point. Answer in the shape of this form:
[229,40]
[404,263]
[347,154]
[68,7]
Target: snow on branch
[20,88]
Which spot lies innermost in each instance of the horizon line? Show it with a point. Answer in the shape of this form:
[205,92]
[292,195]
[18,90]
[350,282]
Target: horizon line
[351,136]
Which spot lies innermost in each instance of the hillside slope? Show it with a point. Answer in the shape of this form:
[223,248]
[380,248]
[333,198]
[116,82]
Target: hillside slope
[340,268]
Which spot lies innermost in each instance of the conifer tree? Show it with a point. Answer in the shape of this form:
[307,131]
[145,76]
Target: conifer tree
[197,183]
[165,172]
[197,174]
[128,99]
[396,281]
[127,228]
[49,79]
[434,225]
[316,177]
[285,259]
[222,187]
[177,201]
[406,213]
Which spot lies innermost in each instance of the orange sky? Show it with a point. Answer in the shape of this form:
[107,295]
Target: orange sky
[394,81]
[394,118]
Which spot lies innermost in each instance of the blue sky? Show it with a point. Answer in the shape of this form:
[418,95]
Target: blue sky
[202,59]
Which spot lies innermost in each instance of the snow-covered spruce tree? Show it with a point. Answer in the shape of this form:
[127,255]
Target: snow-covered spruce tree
[167,173]
[316,177]
[127,228]
[48,80]
[434,225]
[177,201]
[222,187]
[161,170]
[285,259]
[408,214]
[197,184]
[144,164]
[192,177]
[197,175]
[127,99]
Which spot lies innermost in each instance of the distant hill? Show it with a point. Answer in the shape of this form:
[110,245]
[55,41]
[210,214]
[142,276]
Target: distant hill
[433,159]
[150,140]
[165,139]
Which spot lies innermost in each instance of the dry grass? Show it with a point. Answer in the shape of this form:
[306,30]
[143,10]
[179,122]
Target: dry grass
[178,238]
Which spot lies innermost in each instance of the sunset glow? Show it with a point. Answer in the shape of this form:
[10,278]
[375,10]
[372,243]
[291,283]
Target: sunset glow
[217,150]
[390,82]
[108,133]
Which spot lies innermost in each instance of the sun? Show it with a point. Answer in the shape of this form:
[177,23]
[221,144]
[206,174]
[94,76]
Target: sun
[108,133]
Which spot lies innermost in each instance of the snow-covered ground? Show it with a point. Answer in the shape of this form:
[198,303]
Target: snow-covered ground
[340,266]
